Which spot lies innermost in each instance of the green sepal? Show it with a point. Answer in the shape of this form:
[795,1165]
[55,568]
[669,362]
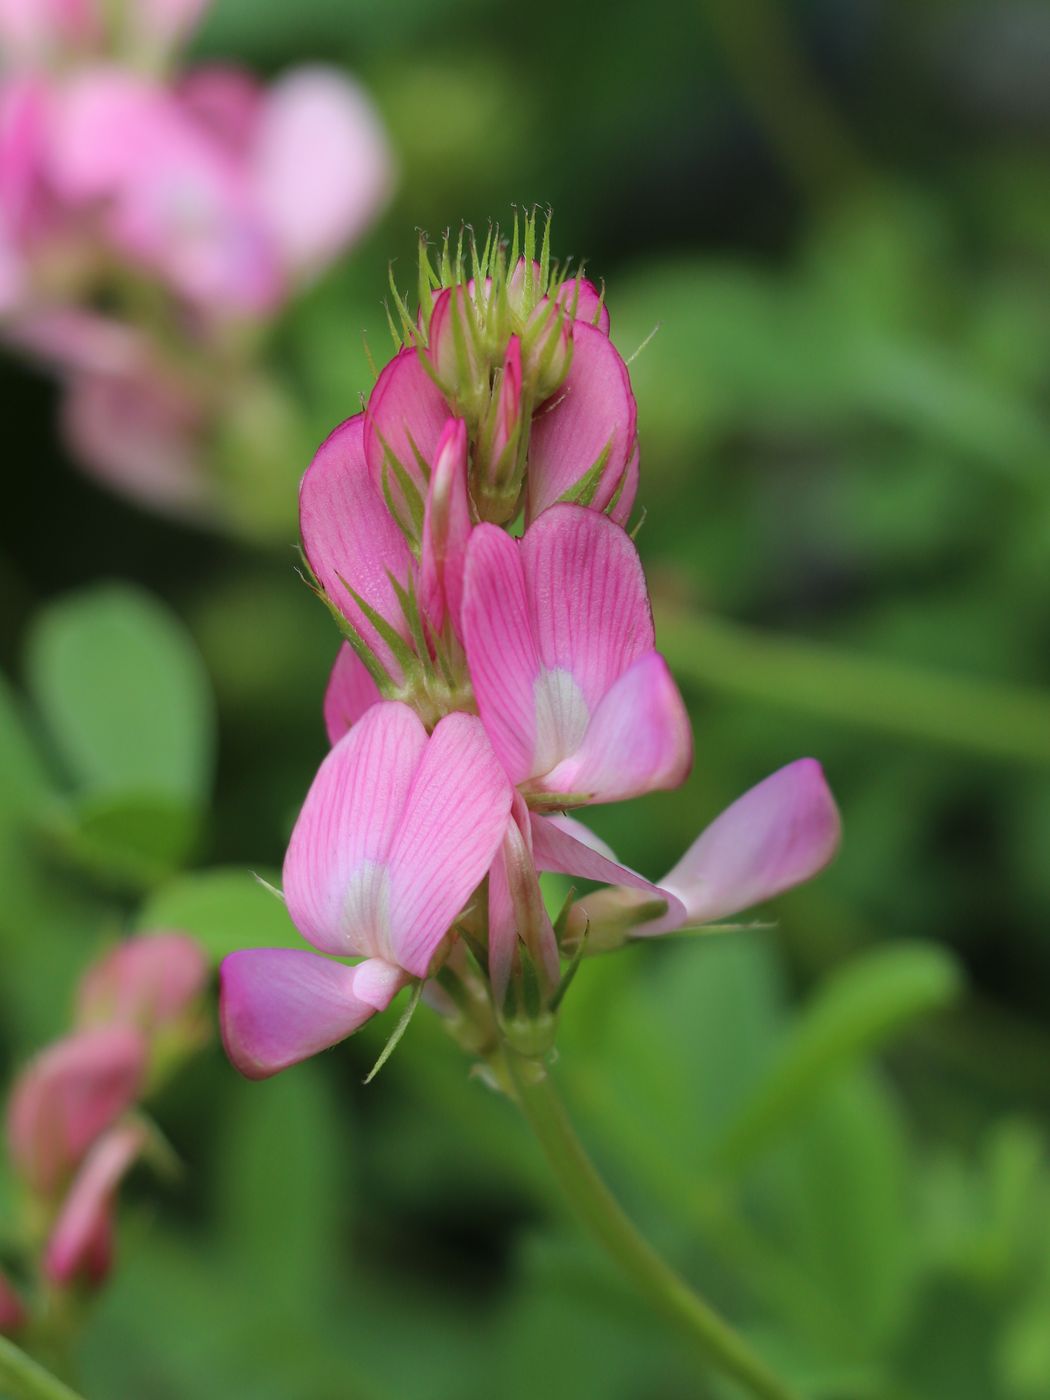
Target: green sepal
[583,492]
[403,654]
[570,971]
[398,1031]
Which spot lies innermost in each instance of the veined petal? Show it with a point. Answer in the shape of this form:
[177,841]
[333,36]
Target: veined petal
[446,529]
[593,411]
[67,1096]
[501,649]
[323,166]
[778,834]
[639,739]
[405,417]
[589,601]
[454,820]
[350,692]
[79,1245]
[567,847]
[349,537]
[280,1005]
[335,870]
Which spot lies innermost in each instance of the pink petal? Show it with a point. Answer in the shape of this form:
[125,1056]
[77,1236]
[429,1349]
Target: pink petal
[780,833]
[67,1096]
[406,416]
[590,603]
[583,301]
[323,166]
[620,510]
[349,537]
[594,409]
[446,529]
[639,739]
[453,343]
[567,847]
[351,691]
[226,102]
[165,22]
[334,872]
[454,820]
[501,649]
[79,1242]
[36,30]
[149,982]
[279,1005]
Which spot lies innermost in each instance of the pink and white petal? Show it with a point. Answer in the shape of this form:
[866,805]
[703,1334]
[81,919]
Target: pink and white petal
[639,739]
[350,692]
[406,416]
[334,869]
[588,597]
[584,302]
[446,530]
[501,649]
[558,846]
[323,165]
[454,821]
[278,1006]
[594,409]
[349,538]
[778,834]
[78,1246]
[620,511]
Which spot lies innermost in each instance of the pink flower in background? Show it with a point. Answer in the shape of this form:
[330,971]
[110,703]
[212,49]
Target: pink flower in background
[67,1096]
[42,32]
[395,834]
[80,1246]
[148,982]
[12,1309]
[560,645]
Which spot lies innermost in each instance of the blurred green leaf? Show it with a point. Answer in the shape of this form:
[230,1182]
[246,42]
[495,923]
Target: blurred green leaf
[853,1013]
[128,839]
[224,909]
[122,690]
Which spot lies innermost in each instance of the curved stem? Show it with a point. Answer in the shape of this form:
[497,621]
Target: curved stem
[599,1210]
[25,1379]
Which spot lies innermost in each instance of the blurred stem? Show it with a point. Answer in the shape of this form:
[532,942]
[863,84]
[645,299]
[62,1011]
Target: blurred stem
[25,1379]
[599,1210]
[984,717]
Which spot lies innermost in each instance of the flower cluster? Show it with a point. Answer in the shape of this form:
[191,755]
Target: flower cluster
[73,1124]
[188,204]
[467,530]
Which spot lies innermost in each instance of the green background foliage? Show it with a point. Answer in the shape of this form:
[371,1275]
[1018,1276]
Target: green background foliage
[836,215]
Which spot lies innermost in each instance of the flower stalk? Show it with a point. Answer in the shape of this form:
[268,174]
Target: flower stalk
[25,1379]
[592,1201]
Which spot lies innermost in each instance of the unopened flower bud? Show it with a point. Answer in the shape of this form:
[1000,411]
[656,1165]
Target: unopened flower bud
[455,348]
[498,470]
[546,347]
[149,982]
[446,529]
[81,1244]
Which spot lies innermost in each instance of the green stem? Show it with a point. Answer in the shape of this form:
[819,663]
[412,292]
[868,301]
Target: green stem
[25,1379]
[599,1210]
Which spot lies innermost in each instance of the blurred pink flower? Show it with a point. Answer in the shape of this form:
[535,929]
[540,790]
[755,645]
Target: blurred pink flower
[80,1246]
[148,982]
[67,1096]
[559,640]
[12,1309]
[394,836]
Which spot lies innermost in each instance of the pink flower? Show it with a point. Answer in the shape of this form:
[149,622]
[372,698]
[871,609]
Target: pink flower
[80,1246]
[777,835]
[66,1097]
[395,834]
[559,640]
[149,982]
[37,31]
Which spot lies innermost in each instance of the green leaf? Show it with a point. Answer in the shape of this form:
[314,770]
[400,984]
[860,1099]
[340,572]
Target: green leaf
[852,1014]
[224,909]
[123,692]
[129,839]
